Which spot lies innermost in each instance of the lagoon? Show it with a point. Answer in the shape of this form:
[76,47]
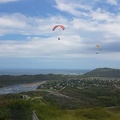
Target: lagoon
[20,88]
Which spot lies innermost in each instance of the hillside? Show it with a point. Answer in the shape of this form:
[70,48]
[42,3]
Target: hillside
[7,80]
[65,97]
[103,72]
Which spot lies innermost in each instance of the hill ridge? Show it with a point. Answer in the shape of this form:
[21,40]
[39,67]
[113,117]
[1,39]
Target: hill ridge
[103,72]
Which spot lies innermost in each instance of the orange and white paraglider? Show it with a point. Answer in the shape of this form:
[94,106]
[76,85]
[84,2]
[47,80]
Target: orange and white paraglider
[99,47]
[56,26]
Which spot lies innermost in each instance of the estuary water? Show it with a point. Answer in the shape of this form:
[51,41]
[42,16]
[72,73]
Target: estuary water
[20,88]
[31,87]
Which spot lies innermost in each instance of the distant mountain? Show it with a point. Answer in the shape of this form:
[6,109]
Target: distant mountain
[103,72]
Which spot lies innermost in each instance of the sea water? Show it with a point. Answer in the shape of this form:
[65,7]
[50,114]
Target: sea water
[42,71]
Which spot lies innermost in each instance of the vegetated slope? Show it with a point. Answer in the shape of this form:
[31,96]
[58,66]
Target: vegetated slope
[73,99]
[6,80]
[103,72]
[14,107]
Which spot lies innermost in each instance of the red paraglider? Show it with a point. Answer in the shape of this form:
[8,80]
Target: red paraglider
[58,26]
[63,28]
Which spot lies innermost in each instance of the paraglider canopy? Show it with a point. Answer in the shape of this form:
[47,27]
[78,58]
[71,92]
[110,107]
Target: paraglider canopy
[99,47]
[58,26]
[61,26]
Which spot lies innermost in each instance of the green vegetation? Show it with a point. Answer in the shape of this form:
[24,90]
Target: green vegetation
[13,107]
[103,72]
[65,97]
[7,80]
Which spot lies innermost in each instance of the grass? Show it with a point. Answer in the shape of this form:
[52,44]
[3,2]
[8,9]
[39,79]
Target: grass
[100,105]
[46,111]
[88,114]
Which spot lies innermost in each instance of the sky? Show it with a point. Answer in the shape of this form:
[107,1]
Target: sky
[27,40]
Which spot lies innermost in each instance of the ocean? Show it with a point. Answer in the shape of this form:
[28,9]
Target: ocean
[42,71]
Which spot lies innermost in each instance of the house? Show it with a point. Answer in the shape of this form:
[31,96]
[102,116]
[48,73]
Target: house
[25,96]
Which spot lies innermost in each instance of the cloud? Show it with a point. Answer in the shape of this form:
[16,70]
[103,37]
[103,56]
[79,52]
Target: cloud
[78,40]
[39,47]
[73,8]
[7,1]
[96,18]
[20,24]
[101,15]
[112,2]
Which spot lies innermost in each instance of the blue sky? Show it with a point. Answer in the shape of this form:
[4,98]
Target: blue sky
[28,42]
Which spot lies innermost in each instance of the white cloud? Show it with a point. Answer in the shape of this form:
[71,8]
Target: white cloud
[112,2]
[72,7]
[85,25]
[21,24]
[102,15]
[88,25]
[40,46]
[73,41]
[12,21]
[6,1]
[79,39]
